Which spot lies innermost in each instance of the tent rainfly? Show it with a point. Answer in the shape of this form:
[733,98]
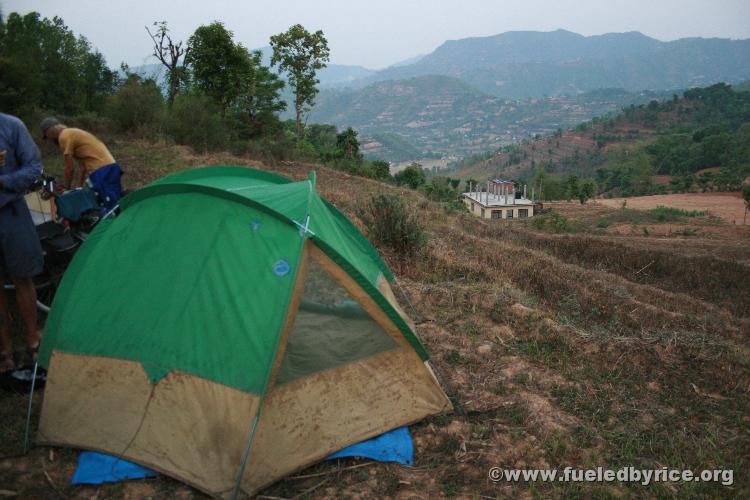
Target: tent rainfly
[227,328]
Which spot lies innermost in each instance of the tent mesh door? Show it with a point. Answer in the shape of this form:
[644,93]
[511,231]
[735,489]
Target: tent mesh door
[330,329]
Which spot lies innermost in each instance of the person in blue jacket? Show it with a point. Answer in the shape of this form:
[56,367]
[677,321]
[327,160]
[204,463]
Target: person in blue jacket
[20,251]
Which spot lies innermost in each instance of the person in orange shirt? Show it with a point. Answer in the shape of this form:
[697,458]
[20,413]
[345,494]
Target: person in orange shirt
[97,166]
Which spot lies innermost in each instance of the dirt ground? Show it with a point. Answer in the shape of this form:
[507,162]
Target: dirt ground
[728,206]
[559,346]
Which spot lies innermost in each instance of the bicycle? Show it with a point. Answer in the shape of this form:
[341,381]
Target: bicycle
[61,231]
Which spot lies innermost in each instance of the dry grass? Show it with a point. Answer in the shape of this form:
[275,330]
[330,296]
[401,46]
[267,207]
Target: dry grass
[728,206]
[557,350]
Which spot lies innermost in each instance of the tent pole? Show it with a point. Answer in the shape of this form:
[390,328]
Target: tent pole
[28,411]
[292,307]
[245,455]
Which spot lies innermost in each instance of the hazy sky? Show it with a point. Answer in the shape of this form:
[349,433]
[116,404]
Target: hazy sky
[377,33]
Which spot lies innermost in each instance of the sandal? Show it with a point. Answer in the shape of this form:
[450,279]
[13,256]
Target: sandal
[29,356]
[6,362]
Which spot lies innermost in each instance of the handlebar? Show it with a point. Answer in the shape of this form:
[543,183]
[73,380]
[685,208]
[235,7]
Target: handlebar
[45,183]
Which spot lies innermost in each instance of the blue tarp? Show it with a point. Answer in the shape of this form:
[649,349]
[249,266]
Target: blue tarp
[393,446]
[98,468]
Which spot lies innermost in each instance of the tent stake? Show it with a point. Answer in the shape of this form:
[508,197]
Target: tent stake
[245,456]
[28,412]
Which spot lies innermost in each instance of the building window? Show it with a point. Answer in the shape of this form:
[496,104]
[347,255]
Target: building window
[509,214]
[497,214]
[523,212]
[482,213]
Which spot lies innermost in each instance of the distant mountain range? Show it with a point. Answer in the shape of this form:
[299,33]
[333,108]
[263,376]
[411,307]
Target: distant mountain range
[476,94]
[523,64]
[334,75]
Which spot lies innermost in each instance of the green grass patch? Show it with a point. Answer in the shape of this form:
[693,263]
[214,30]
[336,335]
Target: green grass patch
[652,216]
[553,222]
[513,414]
[663,213]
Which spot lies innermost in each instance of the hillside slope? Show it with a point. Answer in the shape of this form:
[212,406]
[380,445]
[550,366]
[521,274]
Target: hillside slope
[554,349]
[445,117]
[705,129]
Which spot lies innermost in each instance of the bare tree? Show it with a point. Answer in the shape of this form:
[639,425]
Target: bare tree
[169,53]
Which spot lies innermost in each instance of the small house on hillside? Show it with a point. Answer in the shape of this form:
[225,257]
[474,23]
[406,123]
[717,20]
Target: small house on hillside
[498,199]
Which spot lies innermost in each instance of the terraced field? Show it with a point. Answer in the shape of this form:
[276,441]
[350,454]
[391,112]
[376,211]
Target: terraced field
[728,206]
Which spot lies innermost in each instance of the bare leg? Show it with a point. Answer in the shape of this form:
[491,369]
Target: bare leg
[6,344]
[26,300]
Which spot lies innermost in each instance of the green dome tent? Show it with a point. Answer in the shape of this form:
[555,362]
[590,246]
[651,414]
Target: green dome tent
[229,327]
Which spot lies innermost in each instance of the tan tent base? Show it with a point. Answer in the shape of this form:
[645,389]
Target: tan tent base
[195,430]
[308,419]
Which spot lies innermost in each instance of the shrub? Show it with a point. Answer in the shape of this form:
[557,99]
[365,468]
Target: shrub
[278,146]
[669,213]
[412,176]
[388,223]
[196,122]
[552,223]
[381,170]
[136,106]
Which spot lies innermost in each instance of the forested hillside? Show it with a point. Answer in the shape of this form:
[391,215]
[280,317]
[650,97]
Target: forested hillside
[659,147]
[440,116]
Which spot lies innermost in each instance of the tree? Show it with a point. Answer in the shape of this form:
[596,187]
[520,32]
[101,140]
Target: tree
[552,188]
[586,190]
[571,186]
[381,169]
[169,54]
[323,139]
[348,145]
[300,54]
[97,80]
[439,189]
[44,65]
[746,197]
[540,177]
[260,98]
[218,64]
[412,176]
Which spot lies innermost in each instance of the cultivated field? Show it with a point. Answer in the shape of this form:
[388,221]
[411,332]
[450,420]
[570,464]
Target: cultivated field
[562,343]
[728,206]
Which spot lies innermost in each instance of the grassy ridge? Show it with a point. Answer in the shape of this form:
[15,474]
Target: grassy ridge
[555,350]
